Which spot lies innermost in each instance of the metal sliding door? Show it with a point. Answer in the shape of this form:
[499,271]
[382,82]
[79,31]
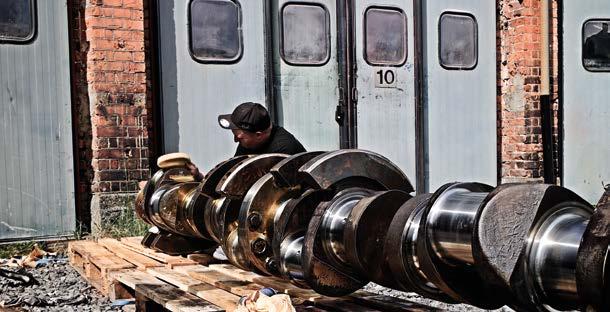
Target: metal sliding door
[460,91]
[586,90]
[385,94]
[36,164]
[212,58]
[306,76]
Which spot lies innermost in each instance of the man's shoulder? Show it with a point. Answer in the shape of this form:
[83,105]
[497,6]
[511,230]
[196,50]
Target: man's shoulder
[284,142]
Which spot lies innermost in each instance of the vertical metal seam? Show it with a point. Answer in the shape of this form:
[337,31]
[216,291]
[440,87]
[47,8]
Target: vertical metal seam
[560,91]
[546,111]
[78,196]
[420,147]
[268,60]
[157,76]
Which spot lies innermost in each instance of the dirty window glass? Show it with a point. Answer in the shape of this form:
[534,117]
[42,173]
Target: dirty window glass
[16,20]
[385,36]
[215,30]
[458,41]
[305,34]
[596,45]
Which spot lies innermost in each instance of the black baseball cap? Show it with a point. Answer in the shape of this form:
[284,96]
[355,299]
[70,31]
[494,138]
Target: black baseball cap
[249,116]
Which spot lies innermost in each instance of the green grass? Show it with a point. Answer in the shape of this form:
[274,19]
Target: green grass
[125,224]
[18,249]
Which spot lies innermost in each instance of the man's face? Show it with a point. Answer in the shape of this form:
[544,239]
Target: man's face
[249,140]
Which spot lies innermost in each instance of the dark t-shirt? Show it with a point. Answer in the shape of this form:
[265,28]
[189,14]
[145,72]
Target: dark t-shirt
[280,141]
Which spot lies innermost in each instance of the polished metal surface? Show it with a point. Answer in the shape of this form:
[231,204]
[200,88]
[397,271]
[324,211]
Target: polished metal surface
[409,251]
[234,252]
[335,219]
[212,218]
[450,224]
[265,200]
[291,261]
[552,257]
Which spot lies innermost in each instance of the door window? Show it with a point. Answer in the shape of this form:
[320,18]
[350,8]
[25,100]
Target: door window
[215,31]
[596,45]
[16,20]
[305,34]
[385,36]
[458,41]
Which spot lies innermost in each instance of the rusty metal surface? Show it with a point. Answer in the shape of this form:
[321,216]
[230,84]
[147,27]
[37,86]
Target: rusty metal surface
[194,213]
[319,274]
[502,232]
[285,172]
[257,215]
[236,182]
[214,176]
[294,219]
[400,250]
[328,169]
[593,266]
[365,234]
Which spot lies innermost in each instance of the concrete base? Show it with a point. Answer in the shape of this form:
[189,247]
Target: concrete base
[521,180]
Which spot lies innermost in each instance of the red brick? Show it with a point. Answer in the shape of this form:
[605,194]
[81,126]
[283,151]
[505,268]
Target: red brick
[111,3]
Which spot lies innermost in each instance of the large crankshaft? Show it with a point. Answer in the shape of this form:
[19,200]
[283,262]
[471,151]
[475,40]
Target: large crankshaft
[333,221]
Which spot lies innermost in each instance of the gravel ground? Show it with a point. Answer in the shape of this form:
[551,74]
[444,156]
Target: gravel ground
[60,289]
[413,297]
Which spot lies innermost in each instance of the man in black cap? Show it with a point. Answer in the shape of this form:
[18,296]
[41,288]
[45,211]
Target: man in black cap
[256,134]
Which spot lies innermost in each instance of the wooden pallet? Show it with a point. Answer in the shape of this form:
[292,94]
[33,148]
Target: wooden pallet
[125,269]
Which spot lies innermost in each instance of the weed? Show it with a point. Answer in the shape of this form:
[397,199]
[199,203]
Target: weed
[18,249]
[124,224]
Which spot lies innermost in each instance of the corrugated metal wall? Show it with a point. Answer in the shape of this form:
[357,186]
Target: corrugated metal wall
[586,111]
[36,165]
[194,94]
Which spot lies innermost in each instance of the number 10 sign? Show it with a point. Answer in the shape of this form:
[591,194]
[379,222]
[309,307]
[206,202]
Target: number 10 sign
[385,78]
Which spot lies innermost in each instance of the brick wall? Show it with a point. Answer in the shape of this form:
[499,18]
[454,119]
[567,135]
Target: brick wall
[113,98]
[82,117]
[520,132]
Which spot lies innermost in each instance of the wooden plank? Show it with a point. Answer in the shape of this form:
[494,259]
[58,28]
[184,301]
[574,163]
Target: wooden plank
[175,299]
[124,283]
[108,267]
[78,262]
[219,297]
[142,262]
[88,249]
[145,304]
[275,283]
[131,278]
[94,277]
[236,286]
[109,263]
[220,280]
[99,268]
[180,280]
[134,244]
[203,259]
